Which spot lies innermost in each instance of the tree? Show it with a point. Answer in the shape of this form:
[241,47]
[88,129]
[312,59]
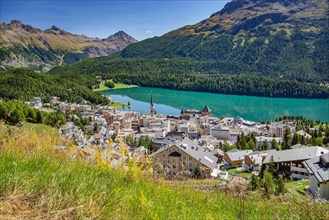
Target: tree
[268,184]
[287,138]
[15,117]
[197,172]
[265,145]
[254,182]
[3,110]
[39,118]
[295,139]
[271,165]
[274,144]
[262,171]
[279,186]
[251,144]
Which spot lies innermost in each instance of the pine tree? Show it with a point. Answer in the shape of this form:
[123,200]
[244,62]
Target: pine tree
[287,138]
[295,139]
[274,144]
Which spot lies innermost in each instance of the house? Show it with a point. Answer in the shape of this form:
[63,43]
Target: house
[304,133]
[318,170]
[37,103]
[235,158]
[290,162]
[254,161]
[185,156]
[188,113]
[219,154]
[262,139]
[162,142]
[221,133]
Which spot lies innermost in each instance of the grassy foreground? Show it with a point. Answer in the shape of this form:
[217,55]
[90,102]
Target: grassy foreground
[39,182]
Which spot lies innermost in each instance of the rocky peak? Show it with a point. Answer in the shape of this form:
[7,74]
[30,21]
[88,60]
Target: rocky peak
[122,36]
[16,23]
[55,28]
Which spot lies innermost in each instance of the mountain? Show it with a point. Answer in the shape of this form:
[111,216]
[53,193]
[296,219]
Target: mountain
[281,38]
[274,48]
[25,46]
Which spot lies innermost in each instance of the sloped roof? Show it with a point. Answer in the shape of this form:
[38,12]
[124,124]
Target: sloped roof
[318,167]
[238,155]
[206,109]
[295,154]
[194,150]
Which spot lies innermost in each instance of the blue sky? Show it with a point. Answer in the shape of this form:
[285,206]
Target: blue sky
[140,19]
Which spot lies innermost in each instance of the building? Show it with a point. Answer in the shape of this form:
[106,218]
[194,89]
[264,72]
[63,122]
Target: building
[221,133]
[262,139]
[304,133]
[318,170]
[235,158]
[185,156]
[219,154]
[290,162]
[254,161]
[37,103]
[188,113]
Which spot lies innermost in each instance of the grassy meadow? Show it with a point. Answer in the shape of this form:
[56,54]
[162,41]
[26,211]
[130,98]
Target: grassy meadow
[102,87]
[40,181]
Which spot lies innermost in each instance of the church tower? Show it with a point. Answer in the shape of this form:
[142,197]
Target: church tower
[152,109]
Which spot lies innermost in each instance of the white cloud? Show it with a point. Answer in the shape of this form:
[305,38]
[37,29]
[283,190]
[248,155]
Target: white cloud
[149,32]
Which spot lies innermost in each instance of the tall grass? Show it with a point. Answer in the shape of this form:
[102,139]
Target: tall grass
[37,181]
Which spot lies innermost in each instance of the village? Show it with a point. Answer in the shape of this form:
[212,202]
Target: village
[195,144]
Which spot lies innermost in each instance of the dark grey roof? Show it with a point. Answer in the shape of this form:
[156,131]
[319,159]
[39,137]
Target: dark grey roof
[238,155]
[295,154]
[164,140]
[318,167]
[206,109]
[194,150]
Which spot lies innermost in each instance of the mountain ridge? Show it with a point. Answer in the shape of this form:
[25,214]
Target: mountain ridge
[27,46]
[278,38]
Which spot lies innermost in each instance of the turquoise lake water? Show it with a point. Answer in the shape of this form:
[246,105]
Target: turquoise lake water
[249,107]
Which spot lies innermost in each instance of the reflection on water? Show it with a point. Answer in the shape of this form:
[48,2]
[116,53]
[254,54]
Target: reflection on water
[249,107]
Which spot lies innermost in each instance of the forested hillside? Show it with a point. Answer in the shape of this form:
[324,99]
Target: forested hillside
[189,74]
[24,84]
[277,38]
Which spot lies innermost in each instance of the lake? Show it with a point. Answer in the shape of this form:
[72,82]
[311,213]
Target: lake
[249,107]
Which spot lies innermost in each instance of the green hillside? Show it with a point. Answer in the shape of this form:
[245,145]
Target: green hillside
[275,48]
[24,84]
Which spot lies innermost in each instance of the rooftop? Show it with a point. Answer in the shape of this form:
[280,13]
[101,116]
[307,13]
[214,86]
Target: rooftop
[319,167]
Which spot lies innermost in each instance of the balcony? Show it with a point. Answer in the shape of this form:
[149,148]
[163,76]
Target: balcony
[298,169]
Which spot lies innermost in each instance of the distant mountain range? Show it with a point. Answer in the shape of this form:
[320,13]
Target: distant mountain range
[22,45]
